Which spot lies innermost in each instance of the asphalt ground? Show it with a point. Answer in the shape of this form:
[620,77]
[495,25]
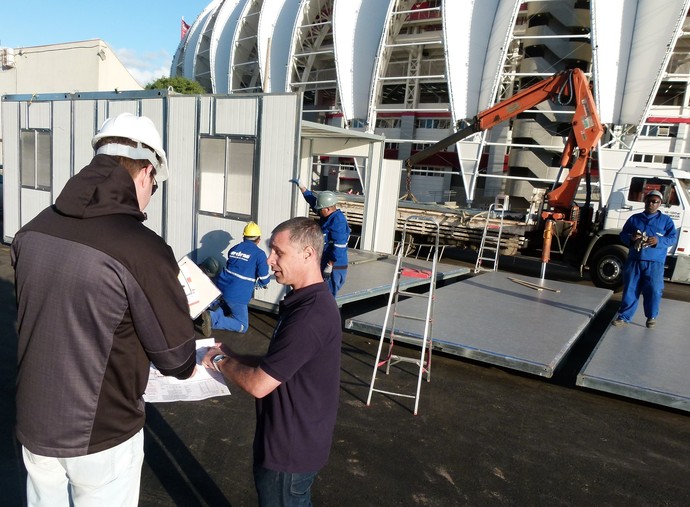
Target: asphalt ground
[483,436]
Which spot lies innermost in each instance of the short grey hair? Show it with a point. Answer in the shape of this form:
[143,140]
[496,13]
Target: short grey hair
[304,232]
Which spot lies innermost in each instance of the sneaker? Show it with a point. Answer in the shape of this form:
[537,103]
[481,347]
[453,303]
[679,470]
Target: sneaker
[651,323]
[619,323]
[203,324]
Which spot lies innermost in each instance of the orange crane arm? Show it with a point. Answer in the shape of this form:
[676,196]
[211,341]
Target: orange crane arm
[586,130]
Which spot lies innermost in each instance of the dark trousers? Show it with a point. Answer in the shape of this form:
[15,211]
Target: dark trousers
[283,489]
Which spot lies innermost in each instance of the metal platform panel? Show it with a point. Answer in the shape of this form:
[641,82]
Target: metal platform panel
[370,275]
[493,319]
[645,364]
[360,256]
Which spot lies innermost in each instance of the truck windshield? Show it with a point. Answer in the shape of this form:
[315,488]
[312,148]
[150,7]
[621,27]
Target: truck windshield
[685,188]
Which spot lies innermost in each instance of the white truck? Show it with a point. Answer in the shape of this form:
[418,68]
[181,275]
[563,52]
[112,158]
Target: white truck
[580,231]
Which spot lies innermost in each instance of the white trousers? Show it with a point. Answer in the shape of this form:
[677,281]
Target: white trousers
[107,478]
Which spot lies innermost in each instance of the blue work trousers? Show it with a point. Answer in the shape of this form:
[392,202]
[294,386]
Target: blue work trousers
[644,278]
[283,489]
[337,280]
[231,317]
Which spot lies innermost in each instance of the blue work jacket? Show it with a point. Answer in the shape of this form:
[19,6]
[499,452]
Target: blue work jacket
[247,266]
[656,224]
[336,233]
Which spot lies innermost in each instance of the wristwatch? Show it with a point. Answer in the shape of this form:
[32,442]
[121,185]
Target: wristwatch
[216,361]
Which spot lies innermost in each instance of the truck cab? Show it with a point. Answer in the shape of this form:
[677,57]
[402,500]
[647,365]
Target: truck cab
[606,254]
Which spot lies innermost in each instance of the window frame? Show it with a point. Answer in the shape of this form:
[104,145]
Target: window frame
[641,186]
[209,202]
[41,175]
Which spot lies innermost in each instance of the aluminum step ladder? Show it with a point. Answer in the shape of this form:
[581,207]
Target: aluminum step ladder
[490,245]
[423,361]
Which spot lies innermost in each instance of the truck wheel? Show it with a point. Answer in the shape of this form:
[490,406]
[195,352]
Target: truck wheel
[606,268]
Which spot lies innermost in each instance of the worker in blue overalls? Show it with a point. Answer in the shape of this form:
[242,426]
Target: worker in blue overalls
[336,234]
[247,268]
[648,235]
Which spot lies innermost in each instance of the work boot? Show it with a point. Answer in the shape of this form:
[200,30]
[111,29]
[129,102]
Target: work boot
[651,323]
[619,323]
[203,324]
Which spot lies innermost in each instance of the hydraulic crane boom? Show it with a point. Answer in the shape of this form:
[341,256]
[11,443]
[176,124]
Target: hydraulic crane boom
[569,86]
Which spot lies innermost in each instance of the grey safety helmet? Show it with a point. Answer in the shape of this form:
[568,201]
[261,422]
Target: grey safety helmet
[656,193]
[326,199]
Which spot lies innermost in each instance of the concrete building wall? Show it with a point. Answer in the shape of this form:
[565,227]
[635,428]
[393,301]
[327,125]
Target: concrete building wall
[84,66]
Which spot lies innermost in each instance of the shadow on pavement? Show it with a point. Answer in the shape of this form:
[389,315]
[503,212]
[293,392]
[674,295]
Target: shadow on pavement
[175,467]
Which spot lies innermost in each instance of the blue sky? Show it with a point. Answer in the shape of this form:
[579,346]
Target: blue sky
[144,34]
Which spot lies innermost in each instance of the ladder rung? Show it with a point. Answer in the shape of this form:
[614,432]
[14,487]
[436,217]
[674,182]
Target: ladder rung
[412,294]
[398,336]
[402,359]
[395,360]
[392,393]
[410,317]
[410,360]
[404,337]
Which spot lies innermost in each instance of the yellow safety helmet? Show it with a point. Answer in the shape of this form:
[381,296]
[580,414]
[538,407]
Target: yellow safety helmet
[251,230]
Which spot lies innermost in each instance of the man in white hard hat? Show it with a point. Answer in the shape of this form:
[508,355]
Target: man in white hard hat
[336,234]
[246,269]
[98,300]
[648,235]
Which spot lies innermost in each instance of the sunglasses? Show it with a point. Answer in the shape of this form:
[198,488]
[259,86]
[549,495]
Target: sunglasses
[654,202]
[154,186]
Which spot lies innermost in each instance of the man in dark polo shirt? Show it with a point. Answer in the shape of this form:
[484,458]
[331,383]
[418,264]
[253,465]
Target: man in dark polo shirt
[297,382]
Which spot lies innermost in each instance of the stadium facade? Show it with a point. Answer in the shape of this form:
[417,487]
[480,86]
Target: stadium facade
[414,71]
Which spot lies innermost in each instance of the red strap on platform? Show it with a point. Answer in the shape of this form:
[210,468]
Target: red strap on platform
[415,273]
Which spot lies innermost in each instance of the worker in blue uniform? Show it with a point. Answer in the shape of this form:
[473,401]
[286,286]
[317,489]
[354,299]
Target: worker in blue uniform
[648,235]
[246,269]
[336,234]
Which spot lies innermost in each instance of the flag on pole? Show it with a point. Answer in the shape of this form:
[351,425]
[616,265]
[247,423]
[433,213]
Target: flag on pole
[184,27]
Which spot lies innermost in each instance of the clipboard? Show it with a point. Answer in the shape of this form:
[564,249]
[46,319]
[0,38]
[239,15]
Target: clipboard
[198,287]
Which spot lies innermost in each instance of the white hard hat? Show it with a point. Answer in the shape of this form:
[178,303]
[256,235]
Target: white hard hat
[326,199]
[139,129]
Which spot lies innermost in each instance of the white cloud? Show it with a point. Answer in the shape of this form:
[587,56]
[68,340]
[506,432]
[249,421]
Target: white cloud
[147,66]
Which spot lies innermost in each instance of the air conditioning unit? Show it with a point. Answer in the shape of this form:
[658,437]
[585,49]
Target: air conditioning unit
[7,58]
